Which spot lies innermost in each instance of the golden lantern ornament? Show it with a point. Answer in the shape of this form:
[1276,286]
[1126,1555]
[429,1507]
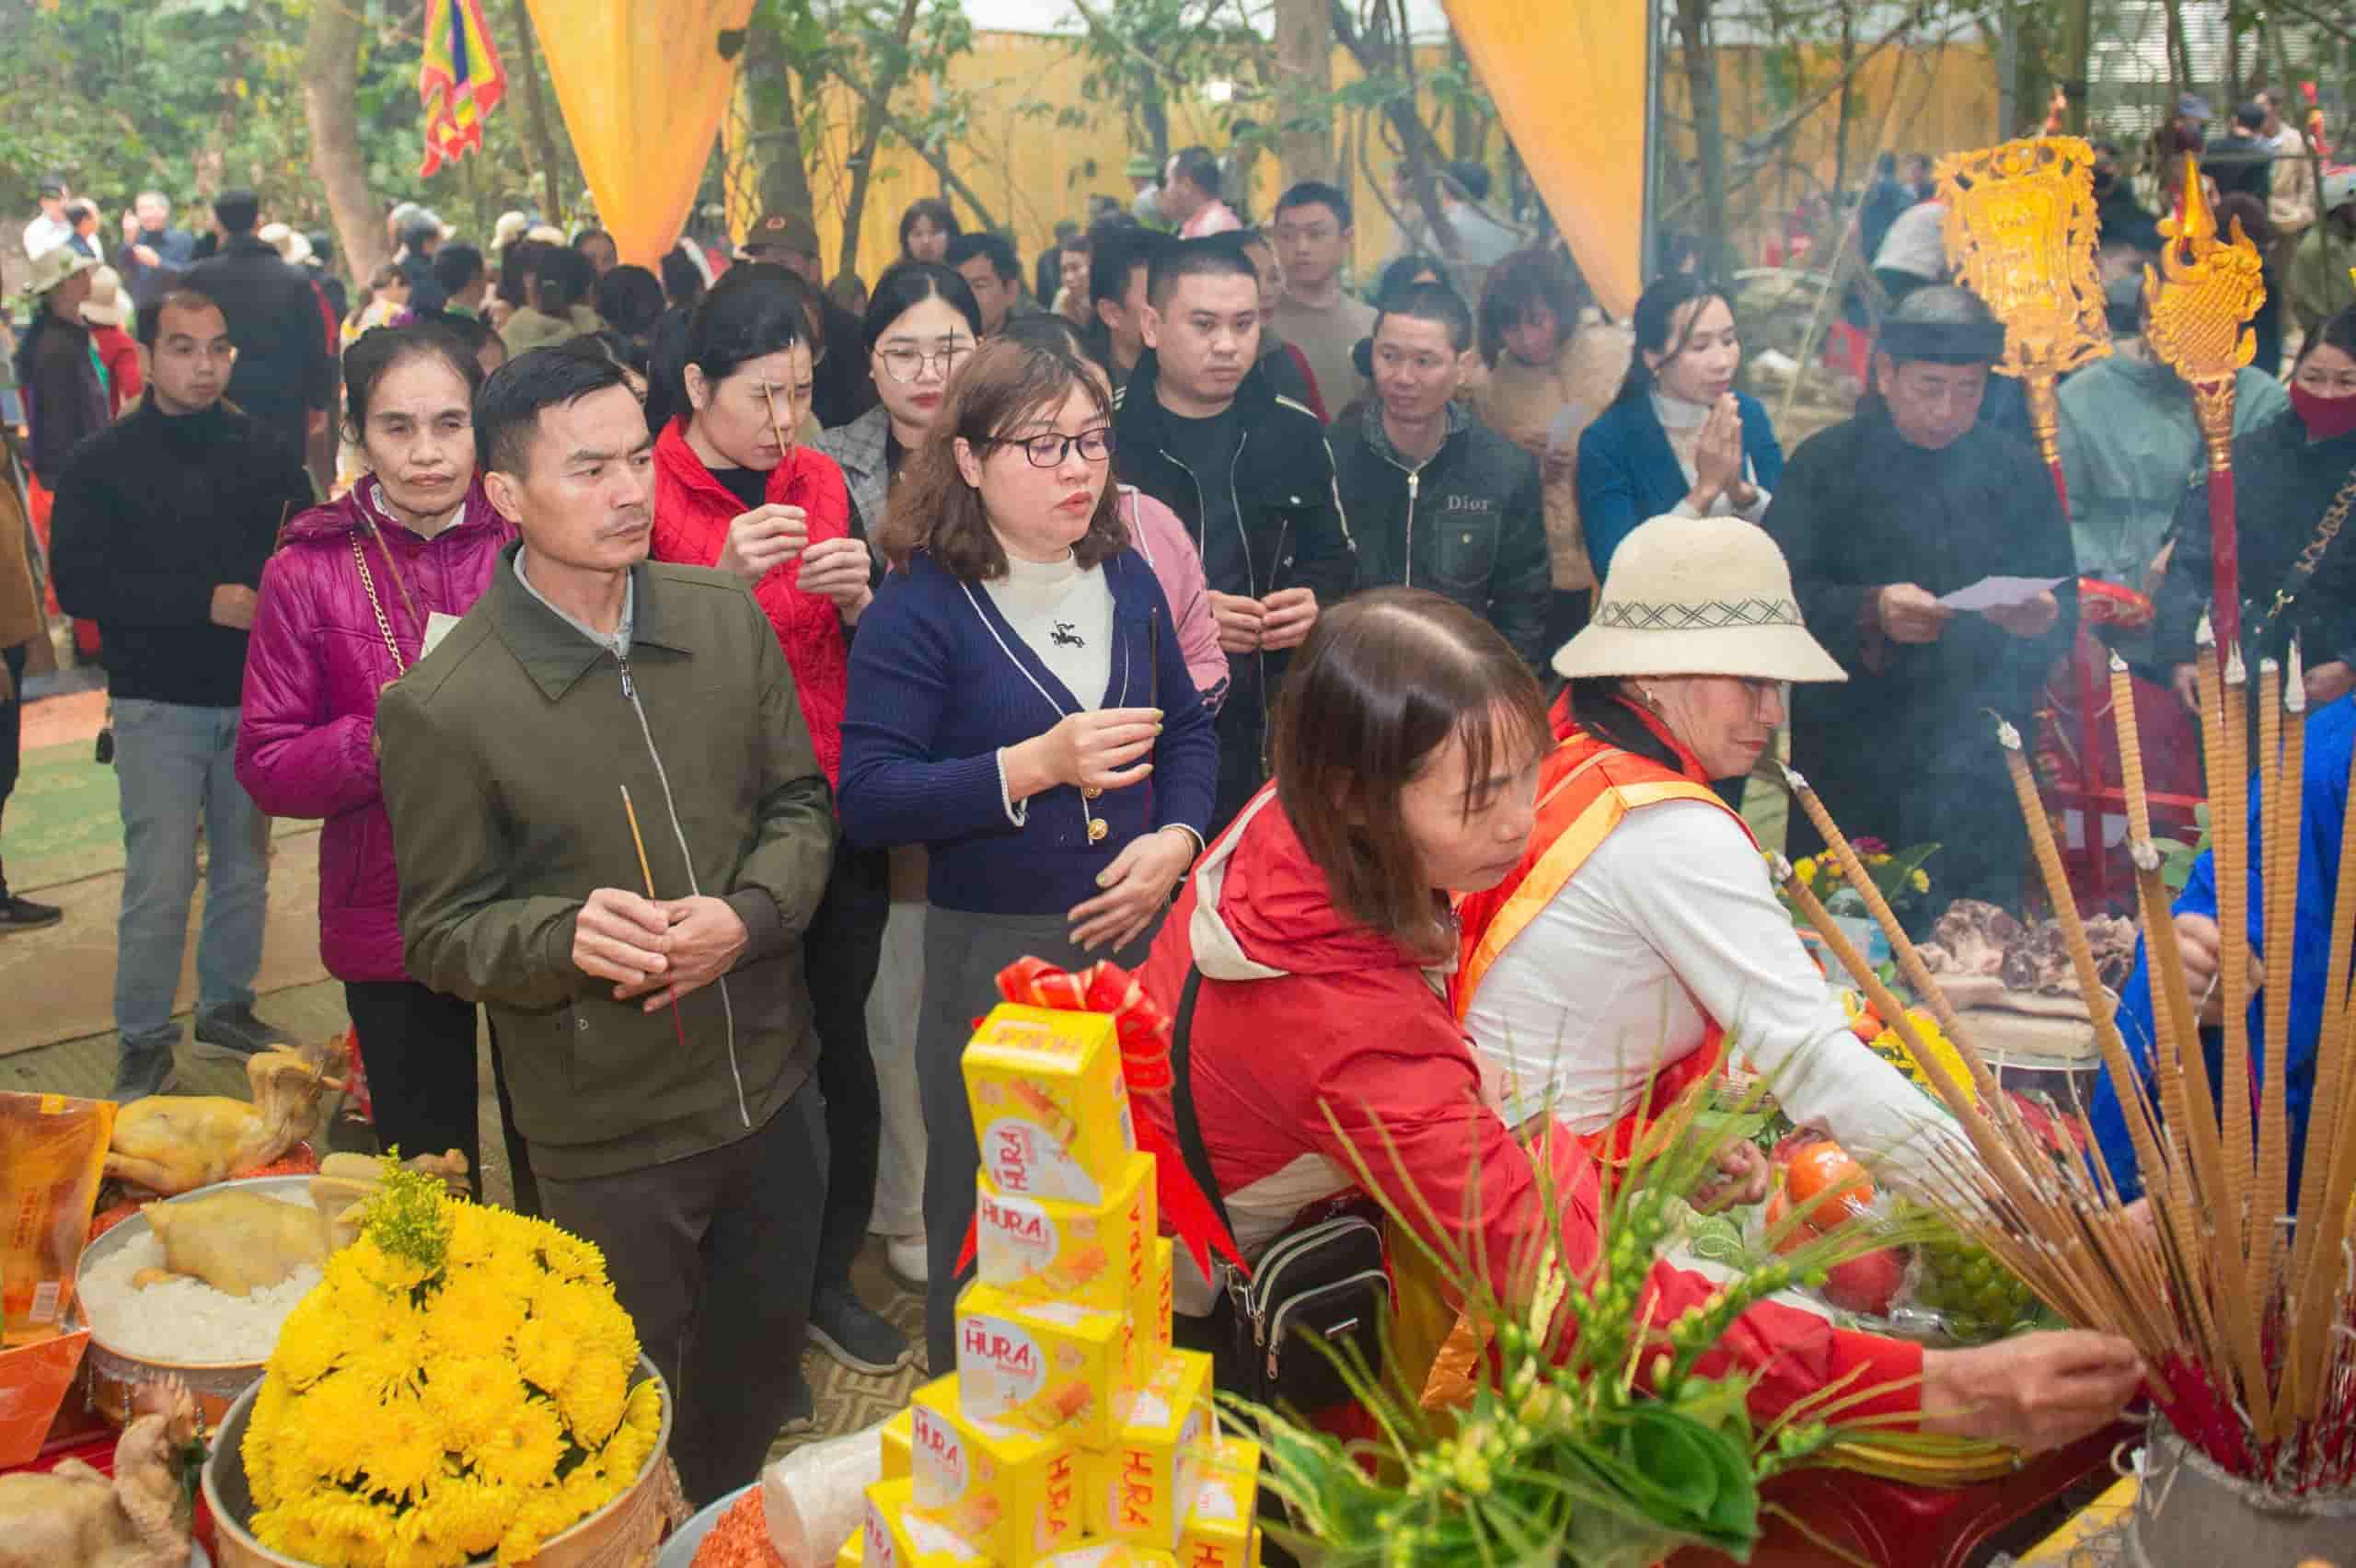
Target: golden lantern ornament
[2200,301]
[2020,233]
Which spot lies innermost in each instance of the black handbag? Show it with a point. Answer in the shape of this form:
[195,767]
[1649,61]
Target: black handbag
[1319,1290]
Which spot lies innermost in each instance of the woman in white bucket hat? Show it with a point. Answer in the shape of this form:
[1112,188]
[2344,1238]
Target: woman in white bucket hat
[1641,929]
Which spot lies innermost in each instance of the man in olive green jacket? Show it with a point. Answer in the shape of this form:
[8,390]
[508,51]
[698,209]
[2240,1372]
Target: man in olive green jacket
[658,1049]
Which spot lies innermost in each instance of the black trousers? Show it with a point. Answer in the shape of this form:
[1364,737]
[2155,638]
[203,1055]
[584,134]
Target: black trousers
[419,1048]
[711,1256]
[12,734]
[839,955]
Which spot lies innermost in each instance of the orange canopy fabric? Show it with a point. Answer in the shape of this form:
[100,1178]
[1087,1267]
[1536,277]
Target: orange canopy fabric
[1568,80]
[642,87]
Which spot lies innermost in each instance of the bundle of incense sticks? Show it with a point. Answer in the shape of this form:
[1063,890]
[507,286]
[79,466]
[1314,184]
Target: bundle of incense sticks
[2244,1318]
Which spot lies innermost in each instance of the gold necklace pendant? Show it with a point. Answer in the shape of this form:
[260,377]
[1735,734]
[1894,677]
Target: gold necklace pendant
[1090,791]
[1097,828]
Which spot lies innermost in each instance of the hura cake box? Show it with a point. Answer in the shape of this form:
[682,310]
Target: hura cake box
[1015,1495]
[1109,1554]
[895,1535]
[1143,1482]
[1092,1254]
[1218,1529]
[1150,1315]
[896,1448]
[1051,1109]
[1051,1366]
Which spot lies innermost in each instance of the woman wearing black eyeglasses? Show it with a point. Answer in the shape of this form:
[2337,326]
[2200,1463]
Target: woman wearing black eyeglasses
[1020,706]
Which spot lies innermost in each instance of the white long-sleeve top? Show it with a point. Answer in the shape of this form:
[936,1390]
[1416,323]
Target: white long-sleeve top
[1671,923]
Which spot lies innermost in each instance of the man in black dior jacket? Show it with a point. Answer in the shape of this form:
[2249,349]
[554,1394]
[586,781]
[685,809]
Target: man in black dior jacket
[1198,428]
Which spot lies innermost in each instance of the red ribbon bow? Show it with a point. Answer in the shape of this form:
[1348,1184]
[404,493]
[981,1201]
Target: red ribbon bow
[1143,1030]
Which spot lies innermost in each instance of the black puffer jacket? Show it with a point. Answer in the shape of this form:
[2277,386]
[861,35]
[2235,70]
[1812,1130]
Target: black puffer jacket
[1470,522]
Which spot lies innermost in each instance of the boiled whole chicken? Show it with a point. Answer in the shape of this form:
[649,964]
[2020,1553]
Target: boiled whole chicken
[170,1144]
[75,1518]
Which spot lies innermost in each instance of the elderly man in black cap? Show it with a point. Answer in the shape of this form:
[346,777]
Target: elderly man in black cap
[1880,517]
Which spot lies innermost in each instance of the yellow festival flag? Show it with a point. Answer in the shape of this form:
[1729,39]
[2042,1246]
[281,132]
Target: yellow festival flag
[1568,80]
[643,87]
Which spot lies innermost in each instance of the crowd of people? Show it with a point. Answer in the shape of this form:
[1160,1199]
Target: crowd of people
[716,675]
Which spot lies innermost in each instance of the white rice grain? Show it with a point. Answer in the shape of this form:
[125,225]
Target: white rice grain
[185,1321]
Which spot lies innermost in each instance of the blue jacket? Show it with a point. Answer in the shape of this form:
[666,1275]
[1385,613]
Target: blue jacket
[1627,474]
[2331,730]
[936,690]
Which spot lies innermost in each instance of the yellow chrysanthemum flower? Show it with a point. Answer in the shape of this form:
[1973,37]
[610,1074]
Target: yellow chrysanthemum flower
[524,1453]
[388,1367]
[471,1313]
[546,1351]
[564,1254]
[310,1341]
[543,1515]
[1805,868]
[471,1398]
[336,1417]
[466,1515]
[592,1397]
[405,1449]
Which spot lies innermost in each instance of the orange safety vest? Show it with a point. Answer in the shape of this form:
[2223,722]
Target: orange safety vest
[1587,786]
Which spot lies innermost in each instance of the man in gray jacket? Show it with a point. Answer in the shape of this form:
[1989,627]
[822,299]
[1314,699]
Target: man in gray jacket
[659,1039]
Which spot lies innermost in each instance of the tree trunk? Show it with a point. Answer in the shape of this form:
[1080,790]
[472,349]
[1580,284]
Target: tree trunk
[2179,56]
[1305,67]
[784,182]
[871,136]
[1709,141]
[2077,63]
[536,112]
[1841,114]
[330,71]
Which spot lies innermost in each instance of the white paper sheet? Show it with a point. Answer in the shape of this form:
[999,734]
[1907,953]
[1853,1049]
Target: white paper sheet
[1997,593]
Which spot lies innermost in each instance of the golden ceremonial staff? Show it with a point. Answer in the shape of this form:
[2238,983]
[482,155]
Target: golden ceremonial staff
[2201,300]
[2020,233]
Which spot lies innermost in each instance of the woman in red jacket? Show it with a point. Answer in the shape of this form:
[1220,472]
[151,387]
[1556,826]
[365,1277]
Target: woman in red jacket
[1407,748]
[733,491]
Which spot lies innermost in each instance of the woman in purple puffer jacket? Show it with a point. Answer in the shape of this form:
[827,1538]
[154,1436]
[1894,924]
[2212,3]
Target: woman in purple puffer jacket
[357,591]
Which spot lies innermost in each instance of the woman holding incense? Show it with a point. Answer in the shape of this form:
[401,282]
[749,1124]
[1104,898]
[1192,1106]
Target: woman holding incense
[357,591]
[1606,971]
[1020,706]
[1409,742]
[2287,478]
[2331,735]
[733,491]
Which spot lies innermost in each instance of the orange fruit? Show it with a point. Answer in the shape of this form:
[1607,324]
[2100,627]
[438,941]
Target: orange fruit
[1827,1186]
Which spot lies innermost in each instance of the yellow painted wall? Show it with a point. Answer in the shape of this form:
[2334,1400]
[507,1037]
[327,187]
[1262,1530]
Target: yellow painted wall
[1032,171]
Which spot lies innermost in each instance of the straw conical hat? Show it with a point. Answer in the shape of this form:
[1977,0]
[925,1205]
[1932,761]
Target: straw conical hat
[1698,596]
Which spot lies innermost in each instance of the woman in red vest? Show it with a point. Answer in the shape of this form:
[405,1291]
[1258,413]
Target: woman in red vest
[1322,1053]
[1642,927]
[734,491]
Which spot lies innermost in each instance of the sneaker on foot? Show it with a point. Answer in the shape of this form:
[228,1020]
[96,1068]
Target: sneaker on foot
[800,1410]
[24,915]
[864,1340]
[905,1256]
[234,1034]
[137,1079]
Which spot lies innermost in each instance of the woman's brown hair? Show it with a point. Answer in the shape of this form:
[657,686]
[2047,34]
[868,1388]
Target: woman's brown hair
[1004,386]
[1382,683]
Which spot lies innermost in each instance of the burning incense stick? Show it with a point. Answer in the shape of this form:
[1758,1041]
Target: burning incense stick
[677,1024]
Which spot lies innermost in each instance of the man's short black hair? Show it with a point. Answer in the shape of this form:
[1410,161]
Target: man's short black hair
[581,241]
[2251,116]
[1313,193]
[964,248]
[1430,302]
[1118,251]
[1216,255]
[237,209]
[507,410]
[418,238]
[181,296]
[1196,163]
[455,266]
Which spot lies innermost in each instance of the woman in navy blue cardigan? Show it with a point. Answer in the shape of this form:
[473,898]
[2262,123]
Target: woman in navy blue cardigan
[1020,705]
[1679,438]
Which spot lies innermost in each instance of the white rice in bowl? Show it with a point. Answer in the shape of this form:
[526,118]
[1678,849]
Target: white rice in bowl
[185,1321]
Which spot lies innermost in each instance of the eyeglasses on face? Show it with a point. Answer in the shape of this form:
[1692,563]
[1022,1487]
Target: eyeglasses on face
[1048,451]
[904,362]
